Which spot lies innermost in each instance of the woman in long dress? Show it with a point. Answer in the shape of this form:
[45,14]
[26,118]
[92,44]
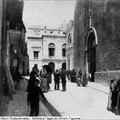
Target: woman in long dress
[43,75]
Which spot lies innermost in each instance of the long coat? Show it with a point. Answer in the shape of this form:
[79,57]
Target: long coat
[63,76]
[57,77]
[34,91]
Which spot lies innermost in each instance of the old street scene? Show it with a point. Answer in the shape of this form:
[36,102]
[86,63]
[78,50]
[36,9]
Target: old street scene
[60,58]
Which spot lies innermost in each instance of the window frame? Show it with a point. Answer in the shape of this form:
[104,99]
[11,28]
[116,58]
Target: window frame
[64,50]
[37,55]
[51,50]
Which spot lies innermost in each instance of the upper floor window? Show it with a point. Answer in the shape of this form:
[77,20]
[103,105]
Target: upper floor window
[36,54]
[51,49]
[64,50]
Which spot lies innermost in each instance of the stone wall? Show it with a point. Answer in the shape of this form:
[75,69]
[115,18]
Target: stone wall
[105,77]
[105,18]
[80,32]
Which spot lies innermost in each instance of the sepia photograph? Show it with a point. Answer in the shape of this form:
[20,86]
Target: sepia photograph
[59,59]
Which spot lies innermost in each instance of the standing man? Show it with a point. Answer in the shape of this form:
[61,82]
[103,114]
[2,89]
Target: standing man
[56,80]
[63,78]
[34,91]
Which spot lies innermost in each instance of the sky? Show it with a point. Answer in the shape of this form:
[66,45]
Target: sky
[50,13]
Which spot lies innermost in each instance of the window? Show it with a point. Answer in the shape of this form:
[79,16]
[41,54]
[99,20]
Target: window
[36,54]
[64,50]
[51,49]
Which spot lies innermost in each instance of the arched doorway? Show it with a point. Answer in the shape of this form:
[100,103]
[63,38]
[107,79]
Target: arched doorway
[64,65]
[52,65]
[91,43]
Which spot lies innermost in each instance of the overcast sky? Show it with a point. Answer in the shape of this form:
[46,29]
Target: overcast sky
[50,13]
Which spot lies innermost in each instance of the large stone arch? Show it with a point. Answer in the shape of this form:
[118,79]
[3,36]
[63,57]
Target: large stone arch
[91,30]
[91,43]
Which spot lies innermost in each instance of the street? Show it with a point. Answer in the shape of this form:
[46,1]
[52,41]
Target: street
[85,102]
[18,107]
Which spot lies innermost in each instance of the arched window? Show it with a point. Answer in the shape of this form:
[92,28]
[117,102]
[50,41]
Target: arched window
[64,50]
[51,49]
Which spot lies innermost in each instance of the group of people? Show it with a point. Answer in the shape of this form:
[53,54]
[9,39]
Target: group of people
[44,77]
[71,75]
[39,81]
[60,75]
[81,78]
[37,85]
[78,77]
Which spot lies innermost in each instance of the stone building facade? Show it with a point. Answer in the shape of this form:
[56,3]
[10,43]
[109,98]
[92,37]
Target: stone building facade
[97,39]
[70,46]
[46,46]
[12,48]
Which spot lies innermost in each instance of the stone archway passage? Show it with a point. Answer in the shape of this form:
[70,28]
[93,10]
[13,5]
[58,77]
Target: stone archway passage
[91,43]
[91,57]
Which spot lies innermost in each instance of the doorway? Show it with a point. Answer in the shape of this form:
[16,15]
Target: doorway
[91,54]
[64,65]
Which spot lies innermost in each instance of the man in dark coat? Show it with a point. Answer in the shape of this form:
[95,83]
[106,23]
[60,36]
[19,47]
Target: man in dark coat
[56,79]
[34,91]
[63,78]
[73,75]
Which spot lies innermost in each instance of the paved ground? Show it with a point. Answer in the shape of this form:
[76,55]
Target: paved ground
[86,102]
[18,107]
